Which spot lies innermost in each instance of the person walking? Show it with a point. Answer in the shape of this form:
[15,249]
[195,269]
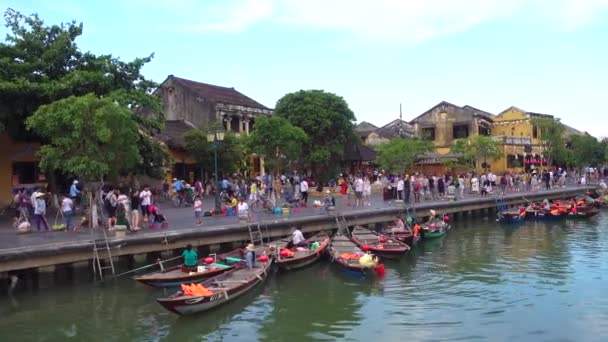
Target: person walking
[40,211]
[135,203]
[67,208]
[304,190]
[367,192]
[146,200]
[74,193]
[198,210]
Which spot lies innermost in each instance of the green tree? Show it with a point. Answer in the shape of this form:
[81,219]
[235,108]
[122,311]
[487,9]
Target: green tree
[42,64]
[328,122]
[400,154]
[587,151]
[552,138]
[87,136]
[278,141]
[231,152]
[477,148]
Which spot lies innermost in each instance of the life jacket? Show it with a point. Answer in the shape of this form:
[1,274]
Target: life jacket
[416,230]
[195,290]
[554,212]
[348,256]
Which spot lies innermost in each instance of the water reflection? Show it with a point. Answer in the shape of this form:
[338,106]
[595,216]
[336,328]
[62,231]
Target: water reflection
[547,279]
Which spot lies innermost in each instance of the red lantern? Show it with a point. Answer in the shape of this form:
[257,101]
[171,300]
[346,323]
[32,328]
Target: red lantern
[284,253]
[208,260]
[263,258]
[365,248]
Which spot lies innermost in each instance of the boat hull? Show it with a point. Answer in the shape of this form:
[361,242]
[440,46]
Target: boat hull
[163,283]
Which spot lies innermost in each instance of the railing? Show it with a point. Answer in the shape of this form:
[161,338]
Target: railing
[513,140]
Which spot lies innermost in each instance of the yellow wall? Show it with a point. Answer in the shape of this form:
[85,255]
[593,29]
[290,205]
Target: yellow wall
[13,152]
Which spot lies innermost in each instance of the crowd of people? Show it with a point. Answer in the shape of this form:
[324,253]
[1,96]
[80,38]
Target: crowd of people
[134,208]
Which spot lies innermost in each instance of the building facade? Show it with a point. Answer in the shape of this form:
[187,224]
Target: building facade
[18,167]
[188,104]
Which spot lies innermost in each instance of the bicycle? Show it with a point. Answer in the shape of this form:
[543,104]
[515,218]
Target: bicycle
[262,204]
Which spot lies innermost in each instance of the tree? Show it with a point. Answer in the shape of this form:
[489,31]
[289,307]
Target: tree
[277,140]
[400,154]
[586,151]
[552,138]
[87,136]
[230,151]
[326,119]
[42,65]
[477,148]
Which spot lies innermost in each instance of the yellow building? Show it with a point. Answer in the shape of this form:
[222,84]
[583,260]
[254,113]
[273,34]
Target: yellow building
[18,167]
[521,144]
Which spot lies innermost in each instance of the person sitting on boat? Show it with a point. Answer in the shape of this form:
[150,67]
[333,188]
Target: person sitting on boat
[297,239]
[432,223]
[399,226]
[250,256]
[190,259]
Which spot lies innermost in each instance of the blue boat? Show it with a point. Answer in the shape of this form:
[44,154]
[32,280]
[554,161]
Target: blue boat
[511,216]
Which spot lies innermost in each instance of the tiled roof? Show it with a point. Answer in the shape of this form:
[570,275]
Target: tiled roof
[356,152]
[173,133]
[365,126]
[218,94]
[393,128]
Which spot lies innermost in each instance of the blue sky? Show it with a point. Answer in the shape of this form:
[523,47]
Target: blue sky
[547,56]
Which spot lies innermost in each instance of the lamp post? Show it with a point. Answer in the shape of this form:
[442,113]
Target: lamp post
[215,137]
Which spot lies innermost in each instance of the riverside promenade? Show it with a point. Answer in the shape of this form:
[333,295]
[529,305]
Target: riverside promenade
[44,249]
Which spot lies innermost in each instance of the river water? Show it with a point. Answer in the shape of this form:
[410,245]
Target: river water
[484,281]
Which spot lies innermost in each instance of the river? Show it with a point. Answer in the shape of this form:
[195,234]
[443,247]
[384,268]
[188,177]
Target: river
[538,281]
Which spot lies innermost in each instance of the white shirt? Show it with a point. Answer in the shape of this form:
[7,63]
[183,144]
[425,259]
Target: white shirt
[145,197]
[400,185]
[66,204]
[304,186]
[297,237]
[358,185]
[242,208]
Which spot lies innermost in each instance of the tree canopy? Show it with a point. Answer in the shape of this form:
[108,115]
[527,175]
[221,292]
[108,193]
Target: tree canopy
[552,137]
[41,64]
[45,77]
[230,151]
[88,136]
[278,141]
[587,151]
[326,119]
[477,148]
[400,154]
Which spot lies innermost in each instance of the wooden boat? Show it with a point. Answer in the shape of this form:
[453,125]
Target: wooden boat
[174,276]
[511,216]
[583,214]
[434,230]
[406,237]
[379,244]
[302,258]
[341,247]
[224,288]
[544,214]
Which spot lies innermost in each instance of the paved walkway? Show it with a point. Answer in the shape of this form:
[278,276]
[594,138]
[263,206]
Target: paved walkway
[183,218]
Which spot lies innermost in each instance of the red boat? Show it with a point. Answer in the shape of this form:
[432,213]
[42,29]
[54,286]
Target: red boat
[379,244]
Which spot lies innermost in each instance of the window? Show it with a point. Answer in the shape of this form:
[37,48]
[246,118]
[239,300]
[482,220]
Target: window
[26,172]
[485,131]
[460,131]
[514,160]
[534,132]
[428,133]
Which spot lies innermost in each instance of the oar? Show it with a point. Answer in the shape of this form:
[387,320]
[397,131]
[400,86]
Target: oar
[144,267]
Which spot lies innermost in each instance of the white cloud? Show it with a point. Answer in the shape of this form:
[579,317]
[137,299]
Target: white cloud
[400,21]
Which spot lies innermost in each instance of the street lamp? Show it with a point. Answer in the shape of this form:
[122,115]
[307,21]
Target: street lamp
[215,137]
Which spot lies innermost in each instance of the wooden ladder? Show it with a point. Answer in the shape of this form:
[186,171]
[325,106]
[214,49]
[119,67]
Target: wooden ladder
[342,224]
[255,234]
[97,258]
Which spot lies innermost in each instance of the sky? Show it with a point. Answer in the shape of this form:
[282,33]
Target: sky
[545,56]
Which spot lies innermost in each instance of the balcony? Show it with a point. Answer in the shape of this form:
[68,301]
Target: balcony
[513,140]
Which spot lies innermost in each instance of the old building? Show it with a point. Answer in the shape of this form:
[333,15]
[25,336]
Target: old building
[18,167]
[188,104]
[372,136]
[446,122]
[522,144]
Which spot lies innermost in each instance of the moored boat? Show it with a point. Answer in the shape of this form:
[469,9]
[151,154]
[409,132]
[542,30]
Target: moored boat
[545,214]
[582,214]
[379,244]
[297,258]
[175,276]
[221,289]
[512,216]
[347,255]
